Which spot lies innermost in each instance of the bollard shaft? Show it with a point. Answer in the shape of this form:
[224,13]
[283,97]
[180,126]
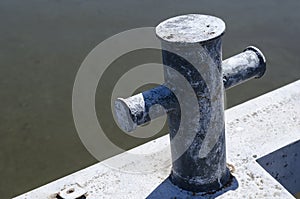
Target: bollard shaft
[192,47]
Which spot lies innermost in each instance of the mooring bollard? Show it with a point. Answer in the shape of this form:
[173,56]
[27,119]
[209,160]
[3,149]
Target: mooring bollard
[192,49]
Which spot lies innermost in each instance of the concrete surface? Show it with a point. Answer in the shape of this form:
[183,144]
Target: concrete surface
[254,130]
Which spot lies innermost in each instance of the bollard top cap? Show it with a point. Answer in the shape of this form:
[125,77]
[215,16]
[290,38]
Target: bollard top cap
[191,28]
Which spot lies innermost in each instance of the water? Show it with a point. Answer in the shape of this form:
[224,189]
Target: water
[42,44]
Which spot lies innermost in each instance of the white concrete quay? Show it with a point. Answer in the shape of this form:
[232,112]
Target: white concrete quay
[254,129]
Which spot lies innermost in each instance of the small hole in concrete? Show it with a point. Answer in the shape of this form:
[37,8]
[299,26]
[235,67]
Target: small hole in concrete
[80,197]
[207,26]
[70,191]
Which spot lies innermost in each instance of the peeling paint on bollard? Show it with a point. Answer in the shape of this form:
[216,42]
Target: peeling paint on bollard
[192,47]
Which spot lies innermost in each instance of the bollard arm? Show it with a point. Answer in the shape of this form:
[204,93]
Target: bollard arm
[244,66]
[135,110]
[141,108]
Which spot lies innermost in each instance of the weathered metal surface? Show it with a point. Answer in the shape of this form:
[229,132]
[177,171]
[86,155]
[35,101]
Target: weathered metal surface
[192,50]
[140,109]
[244,66]
[192,47]
[190,29]
[254,130]
[134,111]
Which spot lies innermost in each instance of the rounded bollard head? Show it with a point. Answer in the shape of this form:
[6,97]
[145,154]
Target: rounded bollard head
[191,28]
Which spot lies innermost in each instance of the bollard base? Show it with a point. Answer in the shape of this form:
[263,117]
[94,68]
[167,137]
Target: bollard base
[195,185]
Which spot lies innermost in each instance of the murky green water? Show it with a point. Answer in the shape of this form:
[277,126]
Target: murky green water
[42,44]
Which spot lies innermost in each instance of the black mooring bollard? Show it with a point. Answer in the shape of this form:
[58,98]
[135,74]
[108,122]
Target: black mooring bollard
[192,49]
